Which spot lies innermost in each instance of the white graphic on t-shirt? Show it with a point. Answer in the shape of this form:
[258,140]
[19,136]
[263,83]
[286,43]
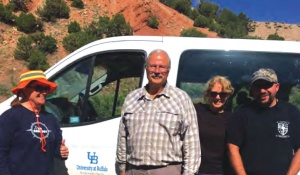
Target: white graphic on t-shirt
[35,130]
[283,128]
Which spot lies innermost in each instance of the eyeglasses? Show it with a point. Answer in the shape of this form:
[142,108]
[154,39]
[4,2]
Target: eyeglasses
[153,67]
[221,94]
[40,88]
[262,84]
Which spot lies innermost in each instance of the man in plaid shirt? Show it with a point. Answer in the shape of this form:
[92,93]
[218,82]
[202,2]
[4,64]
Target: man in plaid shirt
[158,132]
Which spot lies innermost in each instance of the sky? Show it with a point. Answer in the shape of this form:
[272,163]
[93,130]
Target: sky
[263,10]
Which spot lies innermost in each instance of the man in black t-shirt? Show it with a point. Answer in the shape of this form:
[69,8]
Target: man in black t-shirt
[264,135]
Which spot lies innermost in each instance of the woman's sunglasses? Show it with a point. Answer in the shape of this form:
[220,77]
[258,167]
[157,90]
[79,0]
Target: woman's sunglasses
[221,94]
[40,88]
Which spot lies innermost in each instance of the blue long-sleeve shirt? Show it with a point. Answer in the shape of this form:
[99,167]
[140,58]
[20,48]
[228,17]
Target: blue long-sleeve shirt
[20,144]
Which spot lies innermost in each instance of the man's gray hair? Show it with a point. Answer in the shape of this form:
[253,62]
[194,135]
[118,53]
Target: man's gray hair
[158,51]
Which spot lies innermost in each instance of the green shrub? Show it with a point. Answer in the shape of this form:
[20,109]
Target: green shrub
[153,22]
[194,13]
[222,32]
[78,4]
[275,37]
[11,6]
[74,27]
[101,27]
[39,41]
[192,32]
[251,37]
[54,9]
[75,40]
[223,21]
[24,48]
[166,2]
[183,6]
[2,9]
[201,21]
[118,27]
[37,60]
[214,27]
[16,5]
[104,27]
[46,44]
[6,15]
[208,9]
[233,26]
[39,25]
[95,30]
[26,23]
[5,91]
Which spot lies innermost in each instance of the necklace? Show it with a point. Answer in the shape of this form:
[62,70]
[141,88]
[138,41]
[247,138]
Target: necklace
[42,136]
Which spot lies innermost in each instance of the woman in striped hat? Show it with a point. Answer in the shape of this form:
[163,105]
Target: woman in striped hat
[30,137]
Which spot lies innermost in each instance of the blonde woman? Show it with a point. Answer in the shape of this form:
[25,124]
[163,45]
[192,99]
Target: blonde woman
[212,121]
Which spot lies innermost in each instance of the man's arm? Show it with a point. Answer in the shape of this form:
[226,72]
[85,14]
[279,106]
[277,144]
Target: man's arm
[191,142]
[236,159]
[295,164]
[6,135]
[121,150]
[235,137]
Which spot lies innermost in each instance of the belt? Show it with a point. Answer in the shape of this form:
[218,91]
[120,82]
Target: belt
[150,167]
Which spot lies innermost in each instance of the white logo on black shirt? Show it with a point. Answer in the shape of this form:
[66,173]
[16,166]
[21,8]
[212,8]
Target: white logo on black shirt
[283,128]
[35,130]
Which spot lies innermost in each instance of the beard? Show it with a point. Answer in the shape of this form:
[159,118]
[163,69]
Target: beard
[265,102]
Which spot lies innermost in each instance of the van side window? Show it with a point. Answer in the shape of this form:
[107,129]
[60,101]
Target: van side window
[196,67]
[93,89]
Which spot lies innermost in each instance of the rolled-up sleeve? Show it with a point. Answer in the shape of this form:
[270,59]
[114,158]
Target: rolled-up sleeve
[191,142]
[121,147]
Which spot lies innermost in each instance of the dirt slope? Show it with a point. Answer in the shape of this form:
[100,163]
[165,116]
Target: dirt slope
[288,31]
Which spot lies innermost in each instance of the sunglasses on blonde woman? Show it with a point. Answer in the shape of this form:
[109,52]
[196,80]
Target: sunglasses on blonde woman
[215,94]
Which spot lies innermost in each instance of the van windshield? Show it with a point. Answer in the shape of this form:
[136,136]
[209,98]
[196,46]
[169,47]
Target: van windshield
[196,67]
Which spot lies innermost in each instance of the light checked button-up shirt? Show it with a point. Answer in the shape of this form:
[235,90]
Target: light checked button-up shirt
[159,131]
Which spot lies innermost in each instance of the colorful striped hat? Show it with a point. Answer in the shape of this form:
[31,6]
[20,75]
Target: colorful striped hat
[30,75]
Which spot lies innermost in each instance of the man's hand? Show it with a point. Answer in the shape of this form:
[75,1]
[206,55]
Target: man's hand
[64,151]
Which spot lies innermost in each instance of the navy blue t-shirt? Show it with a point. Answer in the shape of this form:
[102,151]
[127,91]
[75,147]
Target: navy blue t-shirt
[267,137]
[20,145]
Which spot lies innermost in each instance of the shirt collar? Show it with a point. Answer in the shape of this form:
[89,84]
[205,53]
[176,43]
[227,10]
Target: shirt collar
[165,92]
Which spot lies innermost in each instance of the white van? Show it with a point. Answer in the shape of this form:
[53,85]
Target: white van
[94,80]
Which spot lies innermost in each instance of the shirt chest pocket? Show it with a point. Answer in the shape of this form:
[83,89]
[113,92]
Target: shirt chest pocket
[170,121]
[134,122]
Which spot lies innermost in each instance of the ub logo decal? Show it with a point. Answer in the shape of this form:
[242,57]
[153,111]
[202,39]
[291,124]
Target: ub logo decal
[92,169]
[283,128]
[92,158]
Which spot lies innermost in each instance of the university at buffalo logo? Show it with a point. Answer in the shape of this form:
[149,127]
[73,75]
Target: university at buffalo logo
[92,157]
[283,128]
